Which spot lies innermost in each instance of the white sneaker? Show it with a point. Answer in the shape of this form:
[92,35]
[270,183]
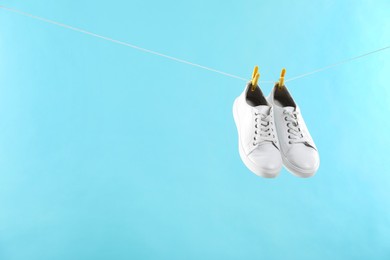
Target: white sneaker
[257,137]
[299,153]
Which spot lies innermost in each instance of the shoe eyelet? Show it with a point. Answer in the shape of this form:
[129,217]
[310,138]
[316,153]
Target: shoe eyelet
[255,125]
[289,142]
[285,118]
[289,137]
[256,132]
[254,144]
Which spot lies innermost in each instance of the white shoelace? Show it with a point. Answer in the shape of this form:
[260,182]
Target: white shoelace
[263,129]
[294,130]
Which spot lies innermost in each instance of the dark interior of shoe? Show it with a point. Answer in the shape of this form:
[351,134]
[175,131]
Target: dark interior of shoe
[256,97]
[282,97]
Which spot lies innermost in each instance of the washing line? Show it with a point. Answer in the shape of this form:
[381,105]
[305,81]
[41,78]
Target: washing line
[336,64]
[185,61]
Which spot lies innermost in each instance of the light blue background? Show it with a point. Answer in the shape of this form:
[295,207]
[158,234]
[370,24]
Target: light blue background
[110,153]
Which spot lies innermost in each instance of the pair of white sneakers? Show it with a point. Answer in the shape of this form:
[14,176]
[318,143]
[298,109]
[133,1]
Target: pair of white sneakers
[272,132]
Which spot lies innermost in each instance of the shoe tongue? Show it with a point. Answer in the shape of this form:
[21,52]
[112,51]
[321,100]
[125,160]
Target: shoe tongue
[263,109]
[289,109]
